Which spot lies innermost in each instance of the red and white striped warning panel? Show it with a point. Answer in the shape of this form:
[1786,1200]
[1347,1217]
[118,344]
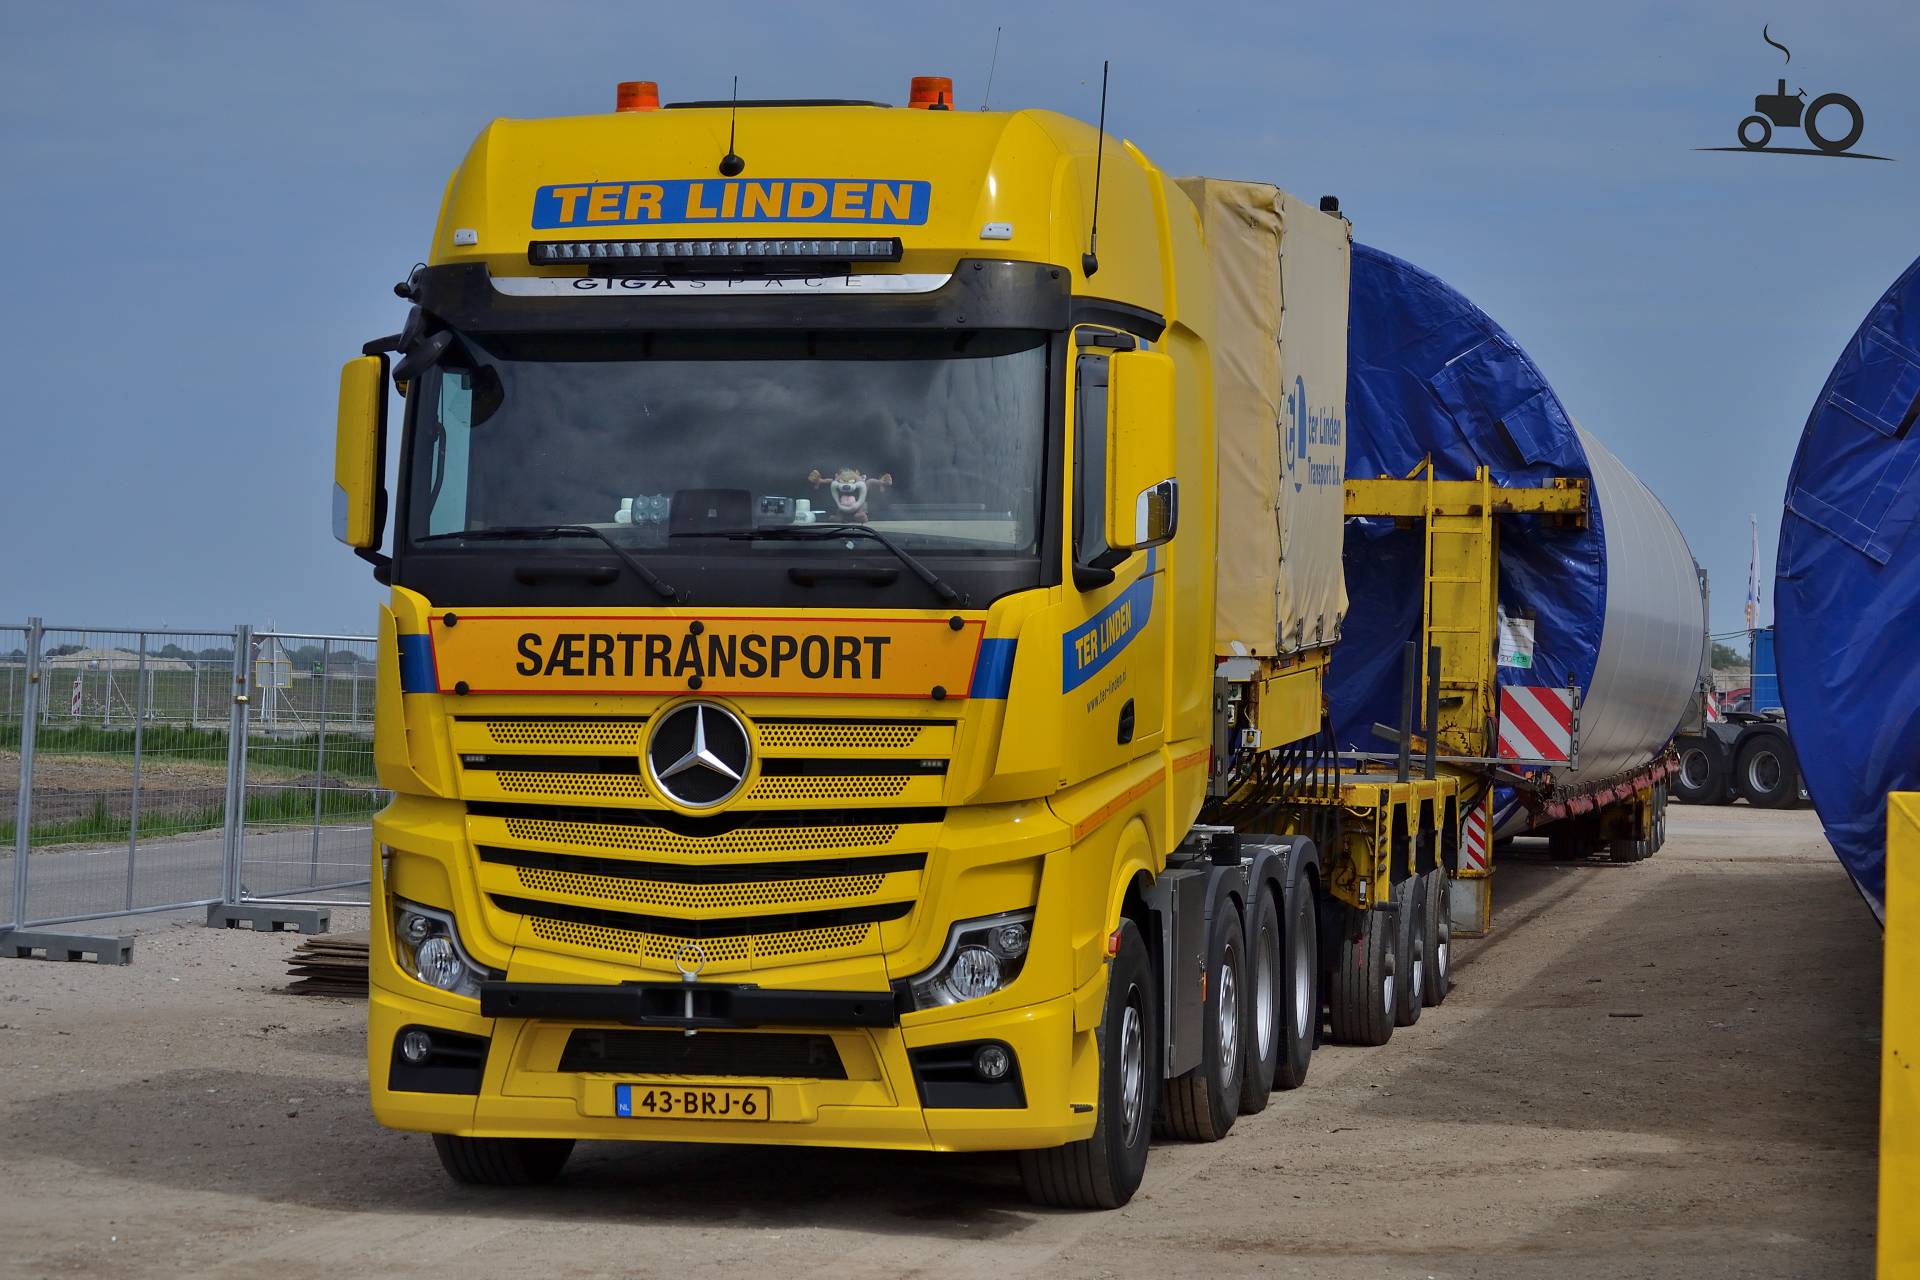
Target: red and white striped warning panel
[1474,841]
[1536,724]
[1710,707]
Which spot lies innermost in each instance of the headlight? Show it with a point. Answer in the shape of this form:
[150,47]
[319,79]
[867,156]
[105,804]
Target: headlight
[981,957]
[428,945]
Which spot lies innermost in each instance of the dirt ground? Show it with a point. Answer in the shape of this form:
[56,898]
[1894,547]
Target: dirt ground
[1667,1069]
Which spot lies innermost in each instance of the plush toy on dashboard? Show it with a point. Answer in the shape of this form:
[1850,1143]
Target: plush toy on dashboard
[849,487]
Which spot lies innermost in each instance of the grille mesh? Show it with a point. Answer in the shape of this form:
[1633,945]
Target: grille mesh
[832,737]
[652,946]
[870,787]
[694,897]
[747,840]
[603,786]
[564,733]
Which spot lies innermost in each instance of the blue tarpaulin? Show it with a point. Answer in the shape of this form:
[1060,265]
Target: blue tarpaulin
[1847,587]
[1430,374]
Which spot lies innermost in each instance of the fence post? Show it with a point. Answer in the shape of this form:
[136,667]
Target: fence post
[237,721]
[23,810]
[320,763]
[139,737]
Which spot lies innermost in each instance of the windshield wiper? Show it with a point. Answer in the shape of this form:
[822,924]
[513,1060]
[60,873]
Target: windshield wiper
[528,531]
[822,532]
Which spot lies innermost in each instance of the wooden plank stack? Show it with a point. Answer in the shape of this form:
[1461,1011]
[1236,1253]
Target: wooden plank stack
[330,964]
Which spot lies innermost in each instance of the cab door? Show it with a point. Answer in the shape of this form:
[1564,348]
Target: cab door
[1114,621]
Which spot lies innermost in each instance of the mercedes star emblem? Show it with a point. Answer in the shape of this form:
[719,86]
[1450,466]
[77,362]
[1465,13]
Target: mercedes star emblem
[698,754]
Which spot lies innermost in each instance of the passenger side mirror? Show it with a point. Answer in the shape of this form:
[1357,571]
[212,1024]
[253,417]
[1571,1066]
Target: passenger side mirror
[359,453]
[1143,497]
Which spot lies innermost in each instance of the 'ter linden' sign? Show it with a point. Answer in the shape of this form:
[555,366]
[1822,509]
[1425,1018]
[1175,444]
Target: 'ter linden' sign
[681,200]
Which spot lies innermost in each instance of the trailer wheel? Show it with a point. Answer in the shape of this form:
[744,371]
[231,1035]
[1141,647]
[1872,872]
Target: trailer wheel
[1266,1004]
[1703,772]
[1410,945]
[1439,974]
[1300,1023]
[1361,1003]
[1201,1104]
[1766,773]
[1103,1171]
[502,1162]
[1659,817]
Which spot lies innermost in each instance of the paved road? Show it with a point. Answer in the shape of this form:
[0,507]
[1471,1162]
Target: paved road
[78,880]
[1667,1069]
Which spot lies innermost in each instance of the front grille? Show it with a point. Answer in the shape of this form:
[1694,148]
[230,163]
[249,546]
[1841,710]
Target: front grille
[749,840]
[699,930]
[711,1053]
[701,887]
[840,735]
[665,950]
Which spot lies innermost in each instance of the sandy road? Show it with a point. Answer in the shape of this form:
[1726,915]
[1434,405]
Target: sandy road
[1658,1070]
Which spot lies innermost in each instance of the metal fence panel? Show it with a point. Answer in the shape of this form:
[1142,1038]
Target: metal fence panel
[128,792]
[307,769]
[13,711]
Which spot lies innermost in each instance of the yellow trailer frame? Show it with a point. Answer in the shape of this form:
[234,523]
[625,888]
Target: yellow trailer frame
[1899,1235]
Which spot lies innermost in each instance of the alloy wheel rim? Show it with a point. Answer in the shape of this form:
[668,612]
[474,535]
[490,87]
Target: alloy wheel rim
[1229,1015]
[1302,980]
[1266,984]
[1132,1069]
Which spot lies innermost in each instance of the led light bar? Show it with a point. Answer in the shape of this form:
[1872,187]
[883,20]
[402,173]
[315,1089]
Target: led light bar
[546,253]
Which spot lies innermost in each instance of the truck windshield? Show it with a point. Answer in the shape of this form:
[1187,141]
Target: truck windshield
[672,442]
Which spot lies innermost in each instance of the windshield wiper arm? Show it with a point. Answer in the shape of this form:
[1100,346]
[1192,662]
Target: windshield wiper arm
[822,532]
[529,531]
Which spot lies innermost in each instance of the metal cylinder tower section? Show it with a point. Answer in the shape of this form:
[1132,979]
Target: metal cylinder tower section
[1648,663]
[1614,608]
[1846,596]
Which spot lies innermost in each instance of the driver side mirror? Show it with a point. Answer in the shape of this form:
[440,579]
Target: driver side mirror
[359,454]
[1143,497]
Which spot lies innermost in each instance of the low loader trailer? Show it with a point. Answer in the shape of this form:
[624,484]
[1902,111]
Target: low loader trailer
[863,582]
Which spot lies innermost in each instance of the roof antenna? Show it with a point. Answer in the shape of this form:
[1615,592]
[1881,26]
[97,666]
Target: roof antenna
[1090,260]
[994,62]
[730,164]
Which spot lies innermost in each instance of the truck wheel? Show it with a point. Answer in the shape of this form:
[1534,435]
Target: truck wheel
[1703,772]
[1410,944]
[1201,1105]
[1362,993]
[1266,1004]
[1103,1171]
[1659,817]
[1300,1022]
[1766,773]
[1439,972]
[502,1162]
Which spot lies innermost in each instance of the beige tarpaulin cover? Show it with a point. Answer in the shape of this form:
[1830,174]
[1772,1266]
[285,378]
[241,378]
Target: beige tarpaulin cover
[1280,276]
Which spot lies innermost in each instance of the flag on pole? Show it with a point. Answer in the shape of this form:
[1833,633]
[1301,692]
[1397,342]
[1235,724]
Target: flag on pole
[1753,574]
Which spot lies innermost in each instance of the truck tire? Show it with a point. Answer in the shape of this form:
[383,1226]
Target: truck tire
[1703,772]
[1361,997]
[1766,774]
[1103,1171]
[1266,1003]
[1439,972]
[1659,817]
[502,1162]
[1300,1020]
[1410,951]
[1202,1104]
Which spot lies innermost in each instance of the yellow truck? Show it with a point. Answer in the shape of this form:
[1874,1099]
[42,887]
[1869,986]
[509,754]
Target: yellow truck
[853,672]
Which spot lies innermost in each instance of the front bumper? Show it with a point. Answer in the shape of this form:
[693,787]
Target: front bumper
[525,1094]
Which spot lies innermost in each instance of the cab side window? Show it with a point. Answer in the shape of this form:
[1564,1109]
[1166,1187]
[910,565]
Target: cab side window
[1090,457]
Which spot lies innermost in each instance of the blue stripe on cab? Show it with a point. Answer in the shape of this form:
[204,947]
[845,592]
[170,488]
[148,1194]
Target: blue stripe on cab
[417,674]
[993,670]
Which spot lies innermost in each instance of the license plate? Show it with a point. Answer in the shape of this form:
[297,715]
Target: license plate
[689,1102]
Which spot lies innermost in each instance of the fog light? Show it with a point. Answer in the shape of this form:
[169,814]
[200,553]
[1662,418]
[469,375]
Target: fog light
[437,964]
[992,1061]
[415,1046]
[1010,940]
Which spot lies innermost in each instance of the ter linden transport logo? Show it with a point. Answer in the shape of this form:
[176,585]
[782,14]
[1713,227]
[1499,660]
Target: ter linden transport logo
[869,201]
[698,754]
[1833,122]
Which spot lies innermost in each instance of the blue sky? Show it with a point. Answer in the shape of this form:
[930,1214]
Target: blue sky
[208,206]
